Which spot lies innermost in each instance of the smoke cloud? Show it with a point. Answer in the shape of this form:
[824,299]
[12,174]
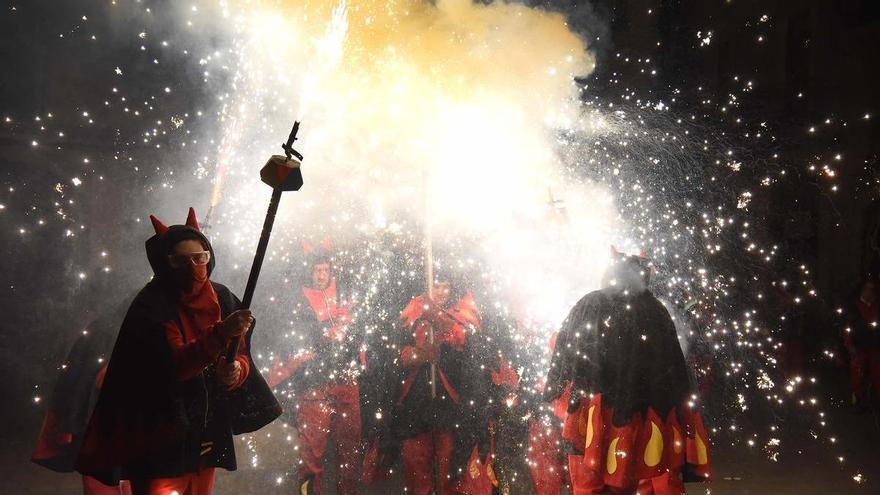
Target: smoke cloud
[447,115]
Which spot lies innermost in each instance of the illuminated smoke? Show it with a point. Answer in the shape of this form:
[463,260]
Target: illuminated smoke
[413,112]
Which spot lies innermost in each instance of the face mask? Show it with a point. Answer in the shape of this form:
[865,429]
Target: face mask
[191,278]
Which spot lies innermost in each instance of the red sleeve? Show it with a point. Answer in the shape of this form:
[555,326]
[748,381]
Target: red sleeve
[191,358]
[282,371]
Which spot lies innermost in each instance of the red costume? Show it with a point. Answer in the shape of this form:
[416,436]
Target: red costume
[324,374]
[545,456]
[545,445]
[533,445]
[426,425]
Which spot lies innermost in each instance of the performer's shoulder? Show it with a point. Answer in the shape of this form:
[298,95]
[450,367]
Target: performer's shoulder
[467,302]
[412,311]
[592,298]
[415,302]
[150,301]
[148,310]
[657,304]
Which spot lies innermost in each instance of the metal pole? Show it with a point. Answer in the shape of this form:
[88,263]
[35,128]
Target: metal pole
[262,246]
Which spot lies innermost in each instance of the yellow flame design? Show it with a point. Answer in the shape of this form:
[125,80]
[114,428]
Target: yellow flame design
[702,452]
[611,463]
[654,449]
[475,469]
[590,427]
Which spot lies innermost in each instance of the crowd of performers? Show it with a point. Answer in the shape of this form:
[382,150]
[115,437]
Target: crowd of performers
[438,385]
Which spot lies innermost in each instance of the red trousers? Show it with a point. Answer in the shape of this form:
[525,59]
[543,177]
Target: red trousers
[91,486]
[545,458]
[420,456]
[862,364]
[200,483]
[321,410]
[585,481]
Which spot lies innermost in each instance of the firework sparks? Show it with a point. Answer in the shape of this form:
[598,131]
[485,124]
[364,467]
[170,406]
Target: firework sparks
[474,119]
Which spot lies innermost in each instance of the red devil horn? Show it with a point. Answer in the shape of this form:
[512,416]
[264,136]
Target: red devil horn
[613,250]
[191,220]
[327,244]
[160,227]
[307,248]
[641,253]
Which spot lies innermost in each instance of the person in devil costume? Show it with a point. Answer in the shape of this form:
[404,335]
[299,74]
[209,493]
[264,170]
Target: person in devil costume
[629,423]
[170,401]
[435,432]
[324,372]
[528,454]
[74,397]
[546,458]
[862,342]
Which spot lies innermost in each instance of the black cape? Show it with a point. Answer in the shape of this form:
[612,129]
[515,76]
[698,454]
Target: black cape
[147,423]
[623,346]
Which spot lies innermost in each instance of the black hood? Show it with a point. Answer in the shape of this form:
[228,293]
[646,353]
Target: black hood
[159,247]
[627,273]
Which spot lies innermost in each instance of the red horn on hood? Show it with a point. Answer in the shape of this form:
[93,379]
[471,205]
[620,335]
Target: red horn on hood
[159,227]
[191,220]
[306,248]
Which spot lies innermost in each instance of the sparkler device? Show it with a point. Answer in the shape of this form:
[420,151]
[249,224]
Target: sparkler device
[283,174]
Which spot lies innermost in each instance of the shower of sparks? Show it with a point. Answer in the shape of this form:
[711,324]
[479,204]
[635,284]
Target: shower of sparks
[467,117]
